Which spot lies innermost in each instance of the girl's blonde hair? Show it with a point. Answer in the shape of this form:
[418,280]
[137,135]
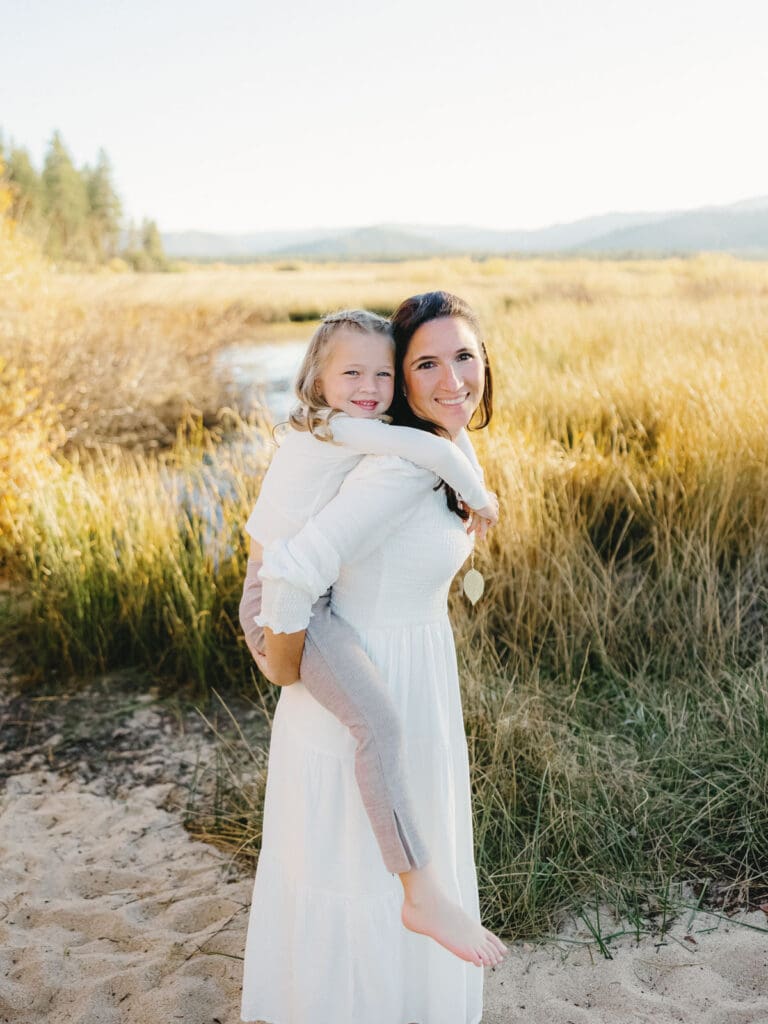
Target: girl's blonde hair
[312,412]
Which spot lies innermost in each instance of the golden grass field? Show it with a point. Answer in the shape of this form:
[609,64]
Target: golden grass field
[615,672]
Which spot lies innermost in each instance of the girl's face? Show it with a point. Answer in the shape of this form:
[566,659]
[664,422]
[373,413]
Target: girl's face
[444,373]
[359,373]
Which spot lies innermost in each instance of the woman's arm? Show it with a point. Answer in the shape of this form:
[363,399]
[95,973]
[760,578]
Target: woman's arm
[373,501]
[283,667]
[282,661]
[437,454]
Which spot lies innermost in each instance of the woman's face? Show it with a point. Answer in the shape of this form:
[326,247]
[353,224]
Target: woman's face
[444,373]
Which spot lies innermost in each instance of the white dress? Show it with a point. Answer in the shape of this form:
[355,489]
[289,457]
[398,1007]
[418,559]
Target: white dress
[325,942]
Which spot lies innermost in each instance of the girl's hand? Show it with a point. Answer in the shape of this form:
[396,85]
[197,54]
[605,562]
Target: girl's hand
[484,518]
[489,512]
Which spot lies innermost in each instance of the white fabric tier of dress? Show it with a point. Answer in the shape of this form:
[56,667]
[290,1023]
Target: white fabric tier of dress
[325,942]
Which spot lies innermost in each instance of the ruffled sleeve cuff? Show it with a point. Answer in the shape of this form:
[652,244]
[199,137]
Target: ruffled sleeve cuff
[284,607]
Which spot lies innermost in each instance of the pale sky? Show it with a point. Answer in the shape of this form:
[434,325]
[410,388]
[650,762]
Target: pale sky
[244,116]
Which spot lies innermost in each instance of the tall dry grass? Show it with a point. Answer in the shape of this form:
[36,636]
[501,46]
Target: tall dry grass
[615,673]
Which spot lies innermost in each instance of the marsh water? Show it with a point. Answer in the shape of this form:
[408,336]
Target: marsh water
[256,375]
[262,373]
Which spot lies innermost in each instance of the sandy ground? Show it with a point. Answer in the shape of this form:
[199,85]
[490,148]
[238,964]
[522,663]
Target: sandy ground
[110,912]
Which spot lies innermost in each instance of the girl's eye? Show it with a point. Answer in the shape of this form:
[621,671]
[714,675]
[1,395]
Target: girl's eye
[466,355]
[351,373]
[385,373]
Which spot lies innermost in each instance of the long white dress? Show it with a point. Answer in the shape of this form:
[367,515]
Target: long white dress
[325,942]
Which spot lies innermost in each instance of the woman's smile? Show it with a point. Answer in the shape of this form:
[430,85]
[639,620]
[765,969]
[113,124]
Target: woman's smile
[453,401]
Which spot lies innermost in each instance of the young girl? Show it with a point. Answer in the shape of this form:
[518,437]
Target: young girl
[344,385]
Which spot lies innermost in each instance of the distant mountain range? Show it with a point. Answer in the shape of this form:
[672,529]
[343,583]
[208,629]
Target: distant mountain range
[741,228]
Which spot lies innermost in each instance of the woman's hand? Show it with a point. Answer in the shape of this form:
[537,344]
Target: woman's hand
[283,669]
[260,657]
[271,674]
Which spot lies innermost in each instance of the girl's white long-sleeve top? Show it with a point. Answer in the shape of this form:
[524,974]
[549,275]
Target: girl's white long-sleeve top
[306,473]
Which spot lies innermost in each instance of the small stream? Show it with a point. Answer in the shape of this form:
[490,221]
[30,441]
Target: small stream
[255,374]
[262,373]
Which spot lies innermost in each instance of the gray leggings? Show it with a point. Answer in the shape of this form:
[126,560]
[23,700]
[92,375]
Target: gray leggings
[340,676]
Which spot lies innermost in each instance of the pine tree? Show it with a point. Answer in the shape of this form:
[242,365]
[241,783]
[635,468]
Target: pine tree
[75,213]
[6,194]
[104,208]
[132,250]
[152,246]
[65,204]
[27,189]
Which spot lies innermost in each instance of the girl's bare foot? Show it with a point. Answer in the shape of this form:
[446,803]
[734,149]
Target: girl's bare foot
[428,911]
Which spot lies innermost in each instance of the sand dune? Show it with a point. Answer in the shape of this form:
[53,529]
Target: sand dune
[720,977]
[111,913]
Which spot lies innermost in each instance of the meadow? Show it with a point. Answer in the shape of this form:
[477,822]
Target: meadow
[615,674]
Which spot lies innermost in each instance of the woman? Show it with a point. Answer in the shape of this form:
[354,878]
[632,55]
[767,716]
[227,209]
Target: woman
[326,942]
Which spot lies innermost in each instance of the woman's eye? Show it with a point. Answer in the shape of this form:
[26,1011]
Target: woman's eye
[466,355]
[427,365]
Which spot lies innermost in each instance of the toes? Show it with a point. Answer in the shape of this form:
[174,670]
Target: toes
[495,954]
[489,954]
[496,942]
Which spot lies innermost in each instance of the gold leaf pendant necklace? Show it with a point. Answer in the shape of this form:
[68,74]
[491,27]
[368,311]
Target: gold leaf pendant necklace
[473,584]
